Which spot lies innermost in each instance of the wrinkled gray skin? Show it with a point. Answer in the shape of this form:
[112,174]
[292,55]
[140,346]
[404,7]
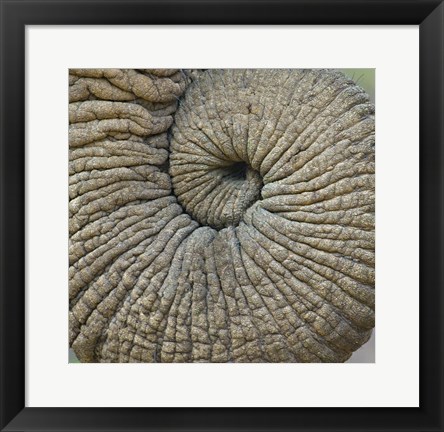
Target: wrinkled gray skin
[220,216]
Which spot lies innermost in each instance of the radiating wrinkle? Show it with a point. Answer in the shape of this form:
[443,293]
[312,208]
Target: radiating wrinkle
[220,215]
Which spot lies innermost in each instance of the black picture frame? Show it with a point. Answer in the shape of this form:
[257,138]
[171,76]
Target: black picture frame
[16,14]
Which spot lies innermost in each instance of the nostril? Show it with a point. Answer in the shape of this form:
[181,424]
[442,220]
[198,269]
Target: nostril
[237,171]
[216,197]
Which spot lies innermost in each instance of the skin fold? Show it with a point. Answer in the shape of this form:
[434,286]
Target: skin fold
[220,215]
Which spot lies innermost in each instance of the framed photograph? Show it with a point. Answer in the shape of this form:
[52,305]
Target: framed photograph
[221,215]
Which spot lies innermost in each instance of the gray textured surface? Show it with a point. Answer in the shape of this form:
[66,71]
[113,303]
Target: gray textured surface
[244,233]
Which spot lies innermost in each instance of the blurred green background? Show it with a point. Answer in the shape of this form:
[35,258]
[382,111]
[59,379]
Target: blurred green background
[365,78]
[72,357]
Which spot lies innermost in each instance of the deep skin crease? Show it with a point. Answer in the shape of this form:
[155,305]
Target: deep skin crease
[220,215]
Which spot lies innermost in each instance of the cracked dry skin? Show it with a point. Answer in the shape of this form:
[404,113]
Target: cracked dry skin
[220,216]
